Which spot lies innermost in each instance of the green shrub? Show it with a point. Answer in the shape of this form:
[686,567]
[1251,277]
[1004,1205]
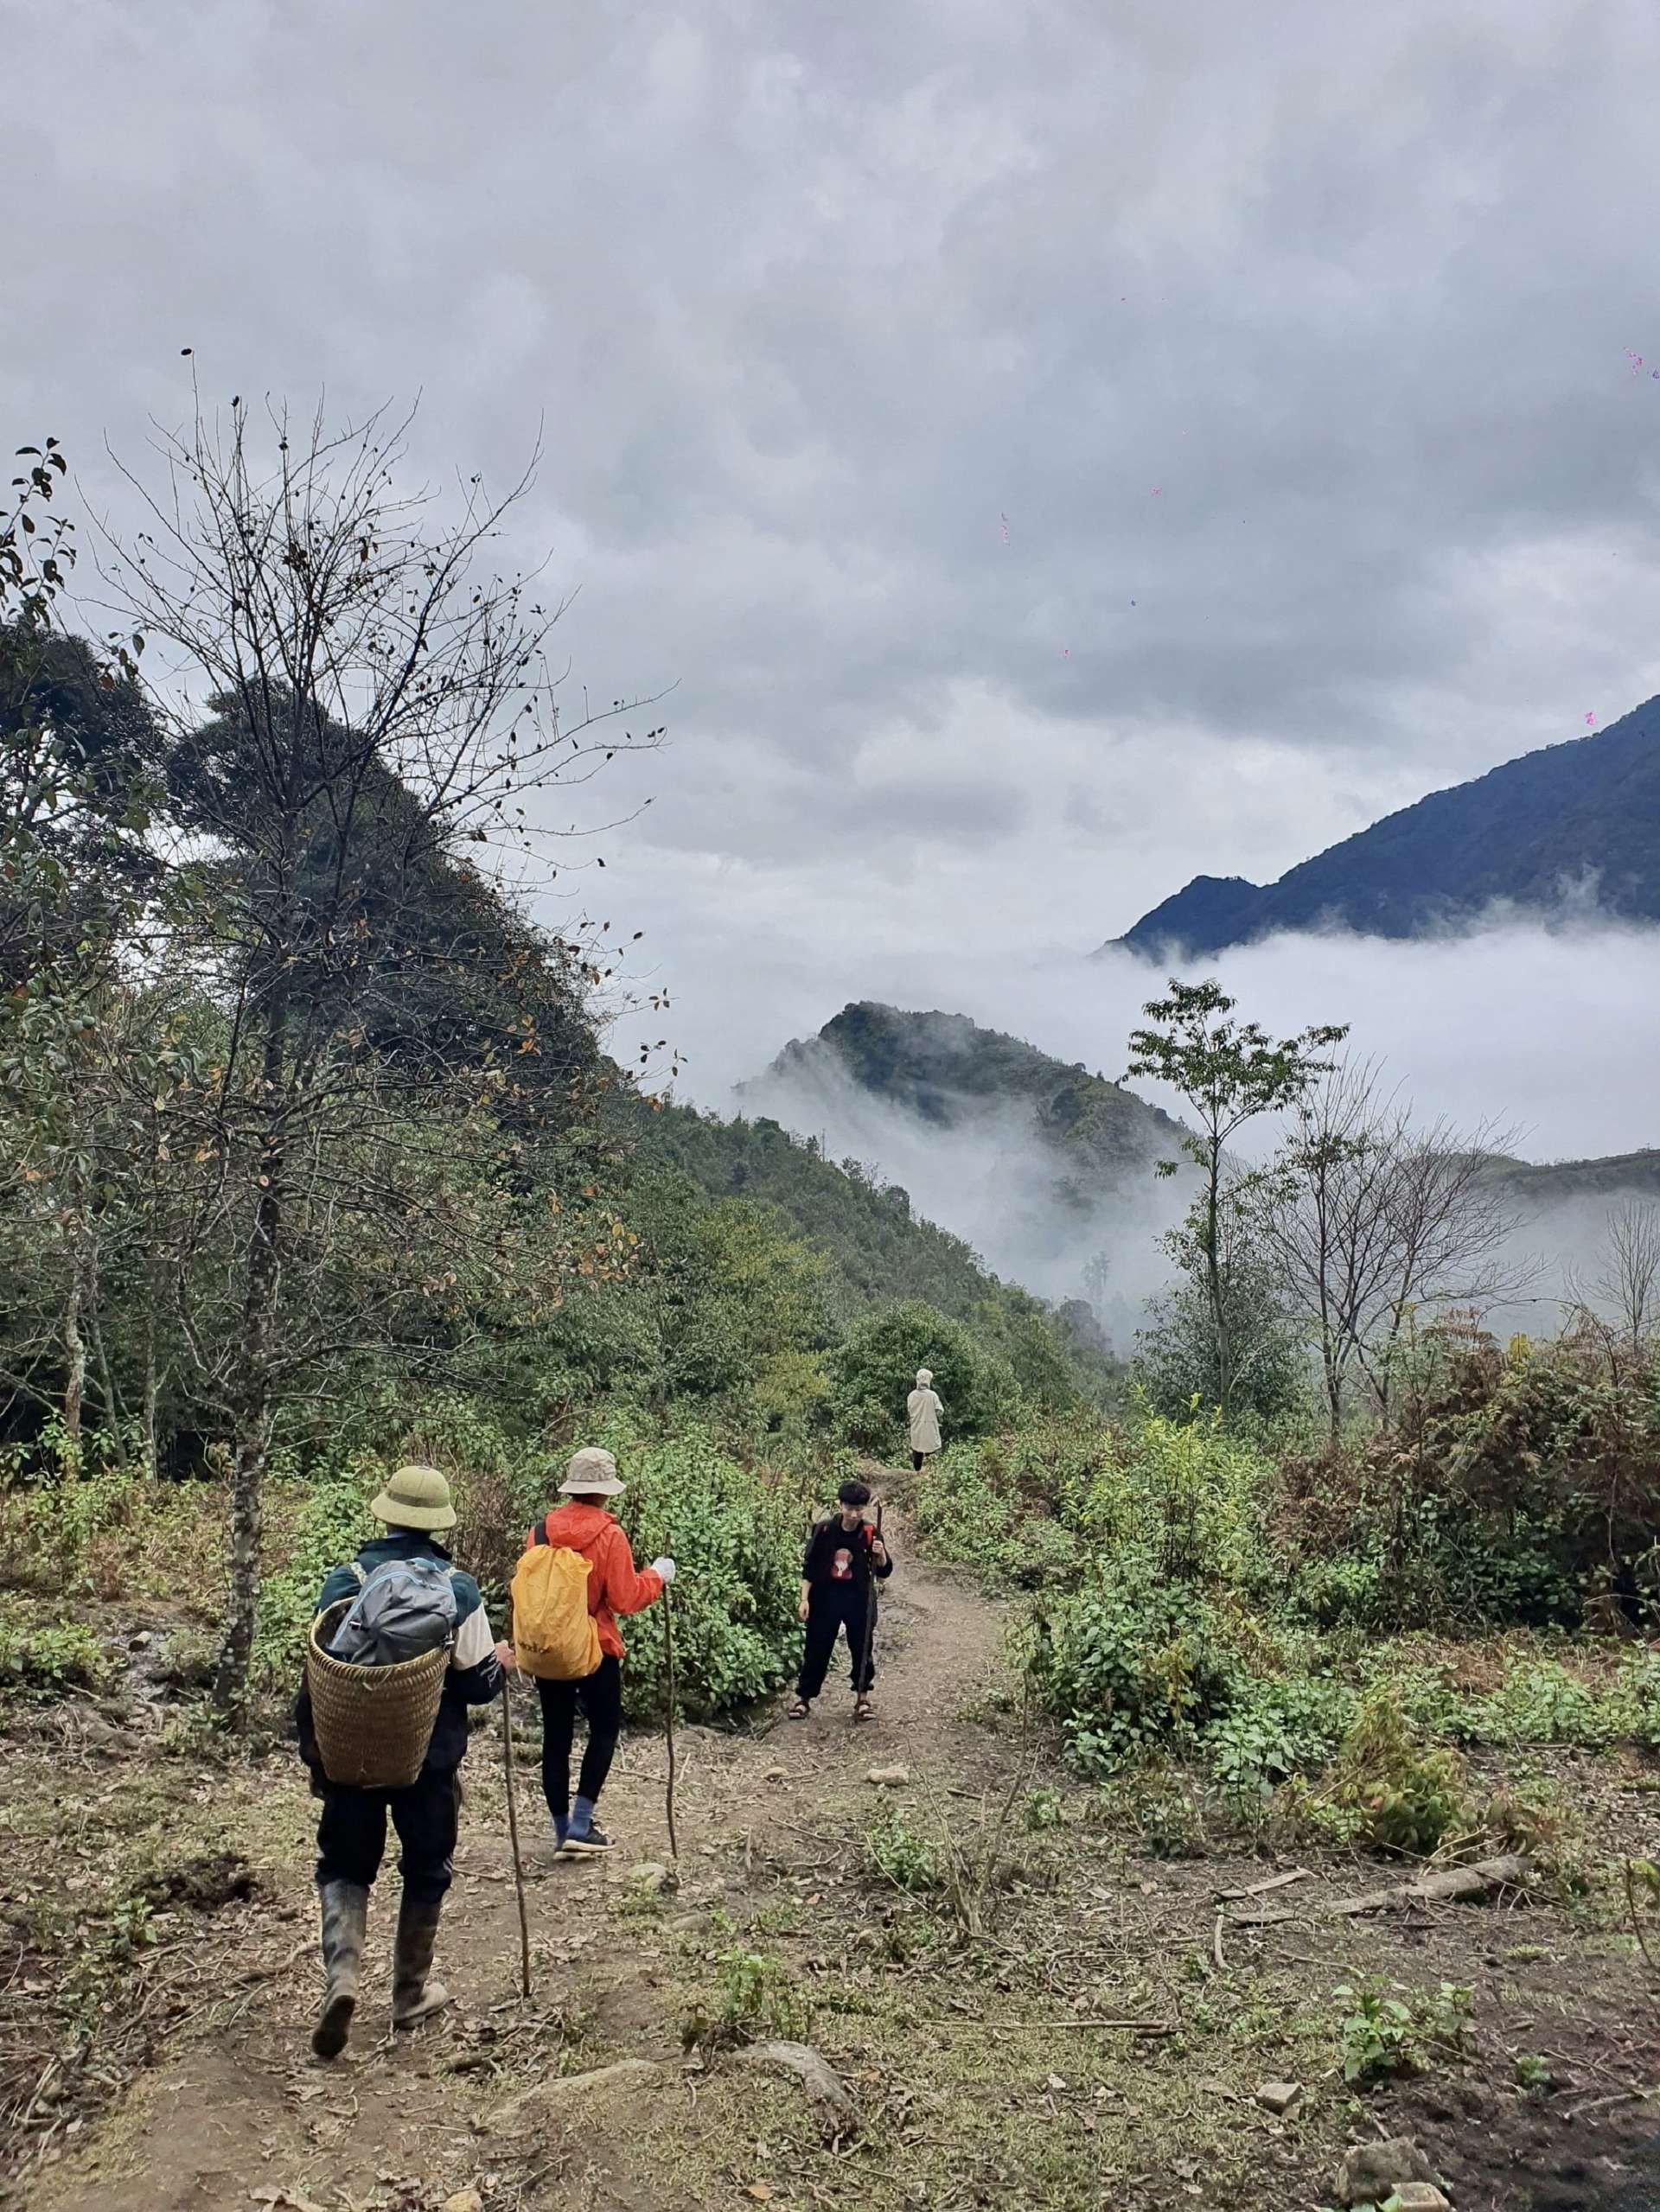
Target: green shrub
[1132,1663]
[50,1657]
[1540,1702]
[874,1369]
[736,1539]
[1387,1789]
[1390,2030]
[330,1522]
[966,1511]
[757,1997]
[1344,1592]
[896,1853]
[1276,1727]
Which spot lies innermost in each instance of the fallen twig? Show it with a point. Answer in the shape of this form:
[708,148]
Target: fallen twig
[1261,1888]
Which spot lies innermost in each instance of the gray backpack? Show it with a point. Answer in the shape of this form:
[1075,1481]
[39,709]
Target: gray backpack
[405,1608]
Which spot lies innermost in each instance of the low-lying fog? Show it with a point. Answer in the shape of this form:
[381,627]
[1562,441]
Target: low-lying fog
[1552,1030]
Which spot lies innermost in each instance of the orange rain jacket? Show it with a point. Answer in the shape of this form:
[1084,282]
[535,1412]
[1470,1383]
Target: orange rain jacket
[615,1585]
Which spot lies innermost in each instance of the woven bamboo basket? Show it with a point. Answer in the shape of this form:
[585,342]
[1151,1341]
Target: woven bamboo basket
[373,1723]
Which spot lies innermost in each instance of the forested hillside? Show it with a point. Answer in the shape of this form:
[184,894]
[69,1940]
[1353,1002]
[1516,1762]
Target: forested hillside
[947,1070]
[1579,821]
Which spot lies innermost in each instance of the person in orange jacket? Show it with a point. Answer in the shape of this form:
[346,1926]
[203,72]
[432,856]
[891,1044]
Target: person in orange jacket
[614,1585]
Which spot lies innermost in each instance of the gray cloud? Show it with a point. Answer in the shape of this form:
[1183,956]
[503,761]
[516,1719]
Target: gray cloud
[1302,327]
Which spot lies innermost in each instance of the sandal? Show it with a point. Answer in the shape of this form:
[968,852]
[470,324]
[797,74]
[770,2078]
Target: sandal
[863,1709]
[801,1710]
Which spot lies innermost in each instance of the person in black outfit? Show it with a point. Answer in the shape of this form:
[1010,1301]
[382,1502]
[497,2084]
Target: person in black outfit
[845,1559]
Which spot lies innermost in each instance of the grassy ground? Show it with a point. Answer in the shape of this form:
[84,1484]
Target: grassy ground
[159,1971]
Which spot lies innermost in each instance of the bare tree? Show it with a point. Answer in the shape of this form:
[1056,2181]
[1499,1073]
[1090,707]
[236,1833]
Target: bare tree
[1372,1218]
[355,709]
[1627,1283]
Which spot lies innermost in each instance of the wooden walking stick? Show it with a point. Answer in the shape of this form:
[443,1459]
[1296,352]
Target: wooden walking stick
[861,1683]
[513,1837]
[668,1719]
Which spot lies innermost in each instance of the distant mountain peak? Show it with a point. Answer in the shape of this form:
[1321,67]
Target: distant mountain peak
[1577,823]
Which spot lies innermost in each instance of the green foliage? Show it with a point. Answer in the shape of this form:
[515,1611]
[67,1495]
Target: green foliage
[737,1538]
[1386,1788]
[331,1523]
[756,1998]
[1390,2030]
[1348,1591]
[874,1370]
[896,1853]
[1042,1810]
[1132,1663]
[50,1657]
[967,1514]
[872,1249]
[1540,1702]
[1276,1727]
[1221,1329]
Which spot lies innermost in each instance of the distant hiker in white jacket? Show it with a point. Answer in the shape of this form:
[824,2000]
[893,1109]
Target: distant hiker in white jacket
[924,1410]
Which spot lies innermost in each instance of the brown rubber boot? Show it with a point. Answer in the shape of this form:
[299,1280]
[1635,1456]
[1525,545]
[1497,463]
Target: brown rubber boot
[415,1996]
[345,1924]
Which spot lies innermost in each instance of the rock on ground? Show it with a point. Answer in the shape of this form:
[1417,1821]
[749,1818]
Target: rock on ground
[821,2081]
[1372,2171]
[519,2111]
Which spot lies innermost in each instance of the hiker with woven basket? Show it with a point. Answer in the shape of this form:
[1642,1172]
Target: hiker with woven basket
[399,1649]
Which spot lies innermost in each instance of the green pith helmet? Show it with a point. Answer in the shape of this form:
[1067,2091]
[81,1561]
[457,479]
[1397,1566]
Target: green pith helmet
[416,1497]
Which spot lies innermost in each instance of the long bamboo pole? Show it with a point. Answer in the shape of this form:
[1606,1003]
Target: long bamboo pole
[513,1837]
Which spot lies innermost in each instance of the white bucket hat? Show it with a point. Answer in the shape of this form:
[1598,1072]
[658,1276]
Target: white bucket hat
[591,1473]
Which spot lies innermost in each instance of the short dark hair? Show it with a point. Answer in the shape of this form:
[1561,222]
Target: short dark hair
[854,1494]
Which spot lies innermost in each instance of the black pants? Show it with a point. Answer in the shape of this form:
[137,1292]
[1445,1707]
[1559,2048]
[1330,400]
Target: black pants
[600,1696]
[829,1611]
[352,1834]
[917,1459]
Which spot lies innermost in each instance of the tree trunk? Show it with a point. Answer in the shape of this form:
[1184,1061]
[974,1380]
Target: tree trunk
[1213,1271]
[105,1379]
[252,1402]
[152,1393]
[75,1360]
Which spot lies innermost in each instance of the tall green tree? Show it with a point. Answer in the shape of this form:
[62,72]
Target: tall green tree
[1229,1073]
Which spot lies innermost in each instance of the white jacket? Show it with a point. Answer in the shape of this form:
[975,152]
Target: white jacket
[924,1410]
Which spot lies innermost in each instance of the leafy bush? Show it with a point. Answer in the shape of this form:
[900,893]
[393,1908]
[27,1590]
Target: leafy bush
[51,1656]
[966,1513]
[874,1369]
[736,1538]
[1349,1592]
[1391,2030]
[1132,1663]
[1276,1727]
[757,1997]
[329,1521]
[897,1854]
[1385,1789]
[1540,1702]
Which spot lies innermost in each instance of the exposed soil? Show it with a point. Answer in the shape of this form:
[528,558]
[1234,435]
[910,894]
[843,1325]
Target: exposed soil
[979,2072]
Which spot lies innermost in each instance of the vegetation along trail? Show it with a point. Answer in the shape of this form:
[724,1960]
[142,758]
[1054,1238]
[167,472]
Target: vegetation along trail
[957,1970]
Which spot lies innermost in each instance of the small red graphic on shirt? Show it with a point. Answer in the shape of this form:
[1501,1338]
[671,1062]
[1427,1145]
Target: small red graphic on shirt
[842,1569]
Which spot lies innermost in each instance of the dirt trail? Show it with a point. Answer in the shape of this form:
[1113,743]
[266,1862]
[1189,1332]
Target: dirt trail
[243,2108]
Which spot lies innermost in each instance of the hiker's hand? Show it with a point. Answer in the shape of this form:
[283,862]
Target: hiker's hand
[879,1552]
[664,1568]
[505,1657]
[803,1607]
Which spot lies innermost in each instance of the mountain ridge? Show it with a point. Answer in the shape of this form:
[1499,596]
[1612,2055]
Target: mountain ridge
[1579,820]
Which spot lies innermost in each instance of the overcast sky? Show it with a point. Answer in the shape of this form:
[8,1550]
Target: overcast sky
[1054,449]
